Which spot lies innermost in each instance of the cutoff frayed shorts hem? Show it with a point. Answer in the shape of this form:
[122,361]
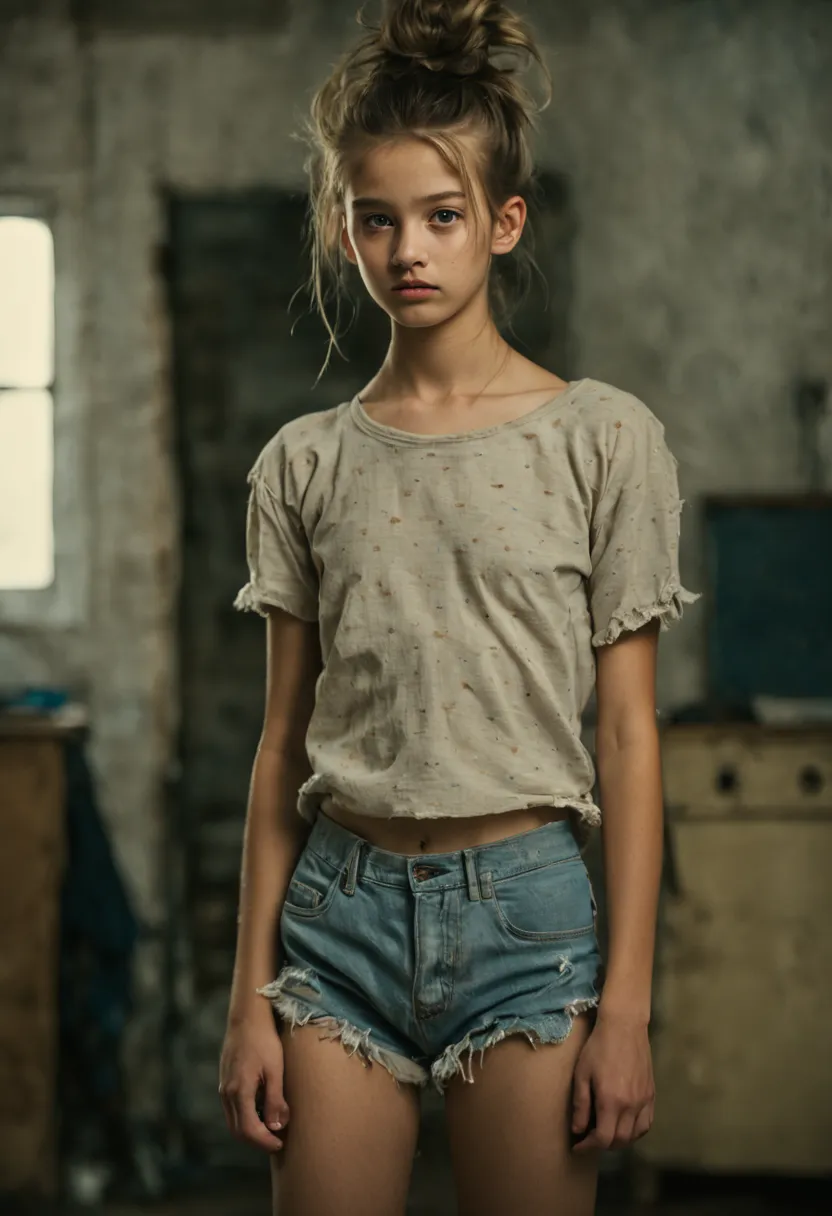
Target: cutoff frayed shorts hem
[417,963]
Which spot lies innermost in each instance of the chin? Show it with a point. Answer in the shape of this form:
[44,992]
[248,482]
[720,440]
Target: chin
[422,315]
[424,320]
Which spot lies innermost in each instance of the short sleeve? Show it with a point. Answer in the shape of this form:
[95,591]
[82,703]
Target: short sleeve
[282,573]
[634,543]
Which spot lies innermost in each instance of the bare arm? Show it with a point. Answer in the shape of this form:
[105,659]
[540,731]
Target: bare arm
[615,1070]
[274,832]
[274,838]
[629,774]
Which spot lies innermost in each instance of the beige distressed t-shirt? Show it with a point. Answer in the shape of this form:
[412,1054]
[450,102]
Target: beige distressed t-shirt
[461,583]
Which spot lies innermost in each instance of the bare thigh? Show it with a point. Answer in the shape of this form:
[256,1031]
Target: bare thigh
[509,1132]
[351,1136]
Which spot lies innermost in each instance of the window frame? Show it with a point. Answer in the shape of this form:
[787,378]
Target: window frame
[59,203]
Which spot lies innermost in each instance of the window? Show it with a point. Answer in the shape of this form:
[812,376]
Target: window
[27,372]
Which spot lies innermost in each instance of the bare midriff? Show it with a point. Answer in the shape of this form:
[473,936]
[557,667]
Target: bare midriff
[414,836]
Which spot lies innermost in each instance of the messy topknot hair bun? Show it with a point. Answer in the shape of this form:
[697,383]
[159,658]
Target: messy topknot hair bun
[437,70]
[444,36]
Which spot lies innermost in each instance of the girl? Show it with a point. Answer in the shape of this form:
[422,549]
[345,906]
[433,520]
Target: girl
[447,563]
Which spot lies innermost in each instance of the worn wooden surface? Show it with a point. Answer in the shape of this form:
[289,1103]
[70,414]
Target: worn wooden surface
[744,972]
[749,770]
[31,857]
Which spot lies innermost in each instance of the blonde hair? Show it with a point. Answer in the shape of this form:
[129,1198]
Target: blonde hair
[429,70]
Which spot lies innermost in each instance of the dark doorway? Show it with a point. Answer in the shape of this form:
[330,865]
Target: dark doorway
[245,362]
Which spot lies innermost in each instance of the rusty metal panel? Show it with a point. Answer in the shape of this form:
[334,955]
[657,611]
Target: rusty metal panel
[747,770]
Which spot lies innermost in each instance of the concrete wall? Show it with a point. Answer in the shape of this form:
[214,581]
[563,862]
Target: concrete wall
[696,138]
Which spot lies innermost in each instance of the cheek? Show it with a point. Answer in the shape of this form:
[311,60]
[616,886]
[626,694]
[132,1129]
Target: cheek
[467,253]
[371,250]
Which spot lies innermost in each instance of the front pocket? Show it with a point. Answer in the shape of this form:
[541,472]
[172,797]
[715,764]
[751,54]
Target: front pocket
[302,897]
[550,903]
[312,887]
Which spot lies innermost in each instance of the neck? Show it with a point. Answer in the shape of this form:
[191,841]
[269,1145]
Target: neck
[456,359]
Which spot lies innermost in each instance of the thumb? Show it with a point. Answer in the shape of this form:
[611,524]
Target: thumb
[275,1107]
[581,1103]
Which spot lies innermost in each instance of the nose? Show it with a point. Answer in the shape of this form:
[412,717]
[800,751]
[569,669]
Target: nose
[409,250]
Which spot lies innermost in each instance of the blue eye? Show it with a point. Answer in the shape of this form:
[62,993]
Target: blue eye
[370,218]
[446,216]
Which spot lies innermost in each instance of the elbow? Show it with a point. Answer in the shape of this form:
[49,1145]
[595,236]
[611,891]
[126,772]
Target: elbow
[282,741]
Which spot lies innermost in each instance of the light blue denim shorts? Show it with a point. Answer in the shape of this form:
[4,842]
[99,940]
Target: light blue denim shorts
[418,962]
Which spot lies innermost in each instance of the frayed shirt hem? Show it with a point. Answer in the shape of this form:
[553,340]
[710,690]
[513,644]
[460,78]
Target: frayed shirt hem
[252,598]
[312,798]
[667,610]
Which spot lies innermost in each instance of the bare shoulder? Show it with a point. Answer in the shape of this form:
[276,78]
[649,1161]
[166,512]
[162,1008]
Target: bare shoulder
[526,376]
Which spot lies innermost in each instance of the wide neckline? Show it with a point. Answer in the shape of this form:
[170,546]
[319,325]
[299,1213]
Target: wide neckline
[392,434]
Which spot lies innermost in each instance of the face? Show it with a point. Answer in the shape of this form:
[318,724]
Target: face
[411,230]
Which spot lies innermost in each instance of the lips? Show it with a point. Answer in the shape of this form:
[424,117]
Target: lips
[415,283]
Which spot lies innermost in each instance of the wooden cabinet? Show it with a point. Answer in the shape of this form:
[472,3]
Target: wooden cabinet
[743,991]
[31,863]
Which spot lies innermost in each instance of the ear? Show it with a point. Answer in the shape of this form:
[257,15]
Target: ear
[509,225]
[346,243]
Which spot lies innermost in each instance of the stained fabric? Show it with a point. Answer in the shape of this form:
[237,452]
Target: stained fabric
[462,584]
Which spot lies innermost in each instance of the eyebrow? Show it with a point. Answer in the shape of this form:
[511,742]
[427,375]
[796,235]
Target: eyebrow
[428,198]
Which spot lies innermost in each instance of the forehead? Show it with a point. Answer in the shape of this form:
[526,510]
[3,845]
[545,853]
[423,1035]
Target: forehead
[399,170]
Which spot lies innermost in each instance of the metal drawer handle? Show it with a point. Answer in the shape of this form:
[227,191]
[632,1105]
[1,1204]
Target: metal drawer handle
[727,779]
[810,779]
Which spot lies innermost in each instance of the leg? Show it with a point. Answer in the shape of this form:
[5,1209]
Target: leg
[351,1136]
[510,1132]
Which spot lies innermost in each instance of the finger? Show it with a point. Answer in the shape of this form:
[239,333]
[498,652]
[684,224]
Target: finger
[644,1121]
[229,1112]
[581,1104]
[253,1131]
[228,1097]
[250,1127]
[602,1134]
[624,1129]
[275,1107]
[589,1144]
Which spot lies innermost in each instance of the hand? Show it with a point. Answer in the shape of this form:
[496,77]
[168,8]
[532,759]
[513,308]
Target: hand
[615,1071]
[251,1067]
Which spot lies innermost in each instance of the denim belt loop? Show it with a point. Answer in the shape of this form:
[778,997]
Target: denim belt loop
[471,874]
[351,871]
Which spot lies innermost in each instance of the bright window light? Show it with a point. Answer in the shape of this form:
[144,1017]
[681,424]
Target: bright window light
[26,540]
[27,289]
[27,340]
